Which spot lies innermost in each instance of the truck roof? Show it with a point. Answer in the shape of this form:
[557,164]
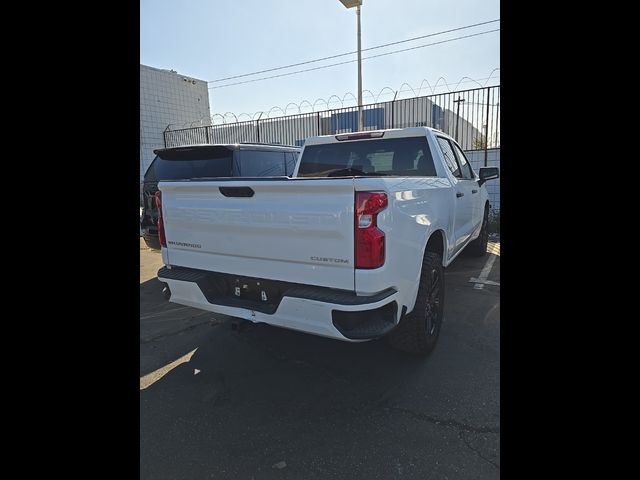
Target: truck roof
[205,146]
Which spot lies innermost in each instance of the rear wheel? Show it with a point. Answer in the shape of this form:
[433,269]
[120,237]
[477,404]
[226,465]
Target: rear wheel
[478,247]
[418,332]
[152,241]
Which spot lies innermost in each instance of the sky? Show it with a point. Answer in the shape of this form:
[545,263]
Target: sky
[213,39]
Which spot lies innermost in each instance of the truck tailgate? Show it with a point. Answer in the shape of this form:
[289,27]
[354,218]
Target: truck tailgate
[294,230]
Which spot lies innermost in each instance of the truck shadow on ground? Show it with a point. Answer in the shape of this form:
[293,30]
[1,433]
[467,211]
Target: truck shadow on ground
[243,347]
[251,398]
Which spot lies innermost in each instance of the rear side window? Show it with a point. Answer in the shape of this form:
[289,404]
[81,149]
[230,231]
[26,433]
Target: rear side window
[257,163]
[188,163]
[449,156]
[292,158]
[407,157]
[150,174]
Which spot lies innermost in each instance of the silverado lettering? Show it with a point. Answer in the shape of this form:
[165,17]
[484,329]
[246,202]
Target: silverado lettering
[184,244]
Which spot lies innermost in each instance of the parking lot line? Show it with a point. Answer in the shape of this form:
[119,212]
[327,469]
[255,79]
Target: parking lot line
[153,377]
[484,282]
[481,281]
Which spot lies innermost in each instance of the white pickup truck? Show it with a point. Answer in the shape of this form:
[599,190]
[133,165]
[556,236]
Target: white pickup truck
[352,247]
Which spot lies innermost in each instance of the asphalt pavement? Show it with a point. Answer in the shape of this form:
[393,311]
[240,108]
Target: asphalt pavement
[270,403]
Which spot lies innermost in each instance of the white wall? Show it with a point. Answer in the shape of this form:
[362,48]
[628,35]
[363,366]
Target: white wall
[167,97]
[476,158]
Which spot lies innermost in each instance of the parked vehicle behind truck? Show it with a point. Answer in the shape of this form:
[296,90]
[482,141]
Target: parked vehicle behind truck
[208,161]
[352,247]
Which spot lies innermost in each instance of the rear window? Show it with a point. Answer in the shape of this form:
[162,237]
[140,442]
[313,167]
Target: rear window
[407,157]
[190,163]
[262,163]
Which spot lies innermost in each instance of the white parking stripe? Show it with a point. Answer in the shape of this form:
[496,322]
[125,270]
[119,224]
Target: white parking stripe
[485,282]
[484,274]
[153,377]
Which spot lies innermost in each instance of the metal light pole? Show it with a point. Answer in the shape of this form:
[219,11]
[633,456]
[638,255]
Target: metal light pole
[357,4]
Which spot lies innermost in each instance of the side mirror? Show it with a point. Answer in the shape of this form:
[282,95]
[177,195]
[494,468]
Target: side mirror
[488,173]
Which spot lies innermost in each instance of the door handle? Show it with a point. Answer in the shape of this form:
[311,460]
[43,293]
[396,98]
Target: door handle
[459,194]
[474,191]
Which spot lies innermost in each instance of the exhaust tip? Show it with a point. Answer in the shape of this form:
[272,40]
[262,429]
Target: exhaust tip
[166,292]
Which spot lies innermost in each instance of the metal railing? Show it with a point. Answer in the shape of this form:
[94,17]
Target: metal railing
[472,117]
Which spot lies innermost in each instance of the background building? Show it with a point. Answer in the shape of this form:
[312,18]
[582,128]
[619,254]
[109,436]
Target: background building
[168,98]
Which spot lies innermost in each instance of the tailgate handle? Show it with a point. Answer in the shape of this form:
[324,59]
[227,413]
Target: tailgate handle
[236,191]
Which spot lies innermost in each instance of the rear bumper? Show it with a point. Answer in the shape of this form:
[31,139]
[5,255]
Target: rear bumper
[320,311]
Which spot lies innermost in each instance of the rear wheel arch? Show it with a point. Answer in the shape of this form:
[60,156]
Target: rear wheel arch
[437,243]
[417,332]
[478,247]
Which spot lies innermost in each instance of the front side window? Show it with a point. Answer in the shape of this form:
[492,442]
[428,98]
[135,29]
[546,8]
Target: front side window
[449,157]
[467,173]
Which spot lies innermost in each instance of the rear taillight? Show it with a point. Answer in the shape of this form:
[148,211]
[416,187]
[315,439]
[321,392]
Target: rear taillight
[161,237]
[369,239]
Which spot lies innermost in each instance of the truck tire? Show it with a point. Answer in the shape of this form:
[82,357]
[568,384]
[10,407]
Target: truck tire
[418,332]
[152,241]
[478,247]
